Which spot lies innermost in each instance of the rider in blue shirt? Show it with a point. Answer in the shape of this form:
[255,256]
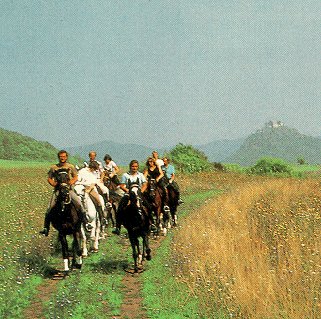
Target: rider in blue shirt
[169,172]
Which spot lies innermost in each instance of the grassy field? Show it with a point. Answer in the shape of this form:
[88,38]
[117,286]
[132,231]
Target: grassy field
[247,247]
[258,250]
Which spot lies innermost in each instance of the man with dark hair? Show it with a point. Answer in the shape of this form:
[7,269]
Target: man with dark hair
[72,176]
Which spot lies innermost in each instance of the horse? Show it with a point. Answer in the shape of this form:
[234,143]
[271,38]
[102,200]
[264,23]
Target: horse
[65,219]
[154,197]
[115,195]
[135,220]
[93,235]
[173,204]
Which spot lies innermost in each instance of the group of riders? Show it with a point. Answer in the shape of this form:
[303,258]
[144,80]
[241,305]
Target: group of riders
[95,175]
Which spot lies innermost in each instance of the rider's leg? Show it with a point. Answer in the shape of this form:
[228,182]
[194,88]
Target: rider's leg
[46,225]
[149,213]
[96,200]
[104,192]
[177,192]
[122,204]
[80,209]
[165,194]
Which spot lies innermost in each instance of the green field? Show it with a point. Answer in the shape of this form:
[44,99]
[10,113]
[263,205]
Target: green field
[170,287]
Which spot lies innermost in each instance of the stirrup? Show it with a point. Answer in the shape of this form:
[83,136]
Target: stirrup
[166,209]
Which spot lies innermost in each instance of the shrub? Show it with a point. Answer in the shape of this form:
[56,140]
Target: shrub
[271,166]
[187,159]
[219,167]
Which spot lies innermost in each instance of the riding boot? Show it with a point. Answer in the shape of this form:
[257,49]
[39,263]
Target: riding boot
[102,219]
[46,225]
[151,222]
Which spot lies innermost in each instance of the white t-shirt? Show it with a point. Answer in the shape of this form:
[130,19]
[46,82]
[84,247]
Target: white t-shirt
[86,177]
[110,167]
[159,162]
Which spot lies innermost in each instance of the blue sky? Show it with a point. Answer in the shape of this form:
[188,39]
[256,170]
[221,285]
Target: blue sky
[158,72]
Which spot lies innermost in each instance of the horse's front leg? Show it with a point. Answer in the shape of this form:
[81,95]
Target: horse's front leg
[64,249]
[76,251]
[84,250]
[133,242]
[146,248]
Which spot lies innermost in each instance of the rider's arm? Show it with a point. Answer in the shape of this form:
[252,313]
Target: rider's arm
[116,169]
[143,188]
[52,182]
[124,188]
[161,173]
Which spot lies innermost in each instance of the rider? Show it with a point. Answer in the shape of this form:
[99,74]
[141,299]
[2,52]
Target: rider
[102,189]
[158,160]
[154,171]
[110,169]
[88,178]
[133,175]
[169,172]
[53,173]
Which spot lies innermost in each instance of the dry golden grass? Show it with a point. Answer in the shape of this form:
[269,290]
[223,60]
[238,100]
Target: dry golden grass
[254,251]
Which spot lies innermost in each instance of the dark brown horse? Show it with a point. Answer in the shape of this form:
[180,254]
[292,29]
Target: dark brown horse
[154,196]
[66,221]
[135,220]
[173,204]
[115,195]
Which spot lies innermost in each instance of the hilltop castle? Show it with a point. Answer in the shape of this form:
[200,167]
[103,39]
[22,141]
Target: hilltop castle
[274,124]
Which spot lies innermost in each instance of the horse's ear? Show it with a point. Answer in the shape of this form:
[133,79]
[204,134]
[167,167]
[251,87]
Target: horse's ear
[137,181]
[129,182]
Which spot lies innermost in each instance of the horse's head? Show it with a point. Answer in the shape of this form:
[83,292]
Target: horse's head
[135,194]
[63,178]
[64,193]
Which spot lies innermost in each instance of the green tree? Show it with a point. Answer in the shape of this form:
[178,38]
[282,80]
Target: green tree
[187,159]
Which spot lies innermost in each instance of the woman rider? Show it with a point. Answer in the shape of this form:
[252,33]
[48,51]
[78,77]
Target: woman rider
[154,171]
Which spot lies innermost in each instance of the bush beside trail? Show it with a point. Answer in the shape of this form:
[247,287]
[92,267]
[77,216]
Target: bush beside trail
[188,159]
[271,166]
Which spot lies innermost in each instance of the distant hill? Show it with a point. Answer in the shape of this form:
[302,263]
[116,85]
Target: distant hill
[15,146]
[277,141]
[218,151]
[122,154]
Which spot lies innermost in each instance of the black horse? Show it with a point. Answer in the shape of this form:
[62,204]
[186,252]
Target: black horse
[66,220]
[135,220]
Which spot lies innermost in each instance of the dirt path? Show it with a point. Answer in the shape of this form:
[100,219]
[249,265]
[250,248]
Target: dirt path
[132,306]
[44,293]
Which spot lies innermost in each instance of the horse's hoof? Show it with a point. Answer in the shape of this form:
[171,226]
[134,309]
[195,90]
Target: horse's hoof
[148,257]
